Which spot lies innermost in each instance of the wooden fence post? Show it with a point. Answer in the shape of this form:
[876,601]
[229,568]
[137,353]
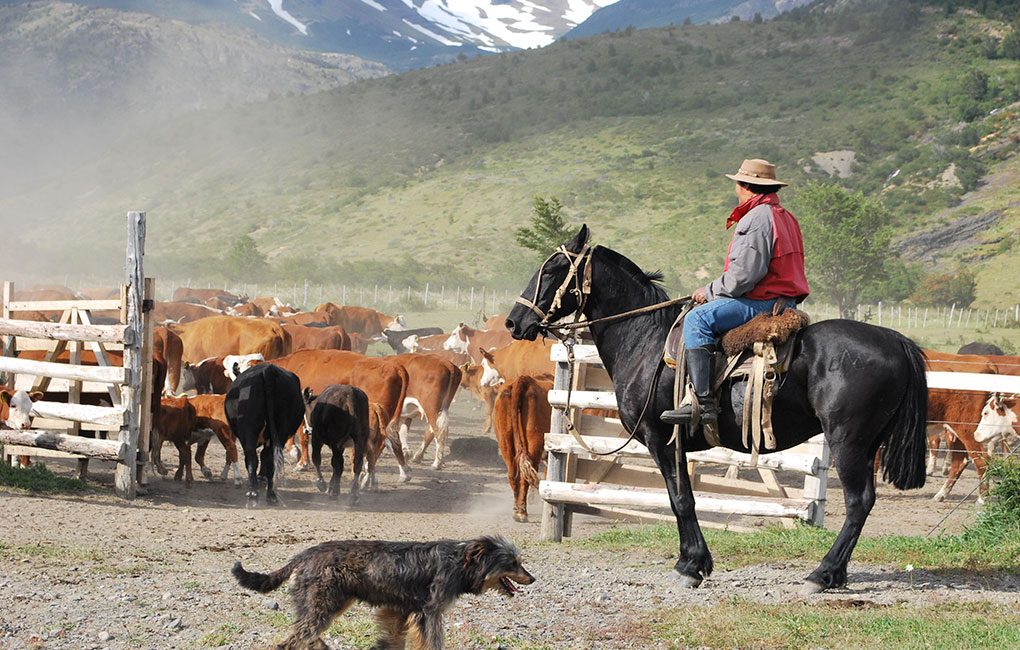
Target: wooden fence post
[124,477]
[145,418]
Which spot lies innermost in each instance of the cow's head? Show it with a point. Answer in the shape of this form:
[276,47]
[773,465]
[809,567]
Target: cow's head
[19,408]
[490,374]
[235,364]
[410,343]
[397,324]
[458,340]
[998,418]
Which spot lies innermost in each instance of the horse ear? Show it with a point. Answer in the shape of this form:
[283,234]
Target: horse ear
[580,239]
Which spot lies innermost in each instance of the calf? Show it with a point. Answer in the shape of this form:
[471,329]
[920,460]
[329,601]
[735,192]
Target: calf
[176,423]
[212,376]
[378,439]
[265,400]
[521,417]
[482,381]
[998,426]
[210,415]
[338,417]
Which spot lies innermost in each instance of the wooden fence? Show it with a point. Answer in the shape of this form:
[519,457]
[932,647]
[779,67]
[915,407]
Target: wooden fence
[58,426]
[628,486]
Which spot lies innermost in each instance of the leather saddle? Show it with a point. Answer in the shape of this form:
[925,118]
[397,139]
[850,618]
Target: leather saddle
[757,351]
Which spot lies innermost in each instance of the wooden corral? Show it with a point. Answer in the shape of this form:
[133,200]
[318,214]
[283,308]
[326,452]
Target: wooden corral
[69,429]
[628,486]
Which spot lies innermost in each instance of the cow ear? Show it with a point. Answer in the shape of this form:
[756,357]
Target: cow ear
[35,395]
[580,239]
[5,397]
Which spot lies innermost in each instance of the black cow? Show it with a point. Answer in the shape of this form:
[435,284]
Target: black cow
[977,347]
[265,399]
[338,418]
[396,337]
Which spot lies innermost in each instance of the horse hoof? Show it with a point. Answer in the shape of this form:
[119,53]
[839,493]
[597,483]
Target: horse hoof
[251,504]
[688,582]
[272,500]
[206,472]
[810,588]
[521,517]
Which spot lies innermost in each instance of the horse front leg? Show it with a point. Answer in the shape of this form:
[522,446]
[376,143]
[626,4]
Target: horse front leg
[695,562]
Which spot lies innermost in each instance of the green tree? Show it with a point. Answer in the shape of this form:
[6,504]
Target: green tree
[547,230]
[1010,46]
[975,84]
[245,260]
[957,288]
[846,241]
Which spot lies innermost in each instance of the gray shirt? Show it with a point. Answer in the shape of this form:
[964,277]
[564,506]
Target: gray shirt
[749,256]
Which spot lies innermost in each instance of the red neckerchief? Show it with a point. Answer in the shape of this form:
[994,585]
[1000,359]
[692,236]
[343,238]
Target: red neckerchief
[748,205]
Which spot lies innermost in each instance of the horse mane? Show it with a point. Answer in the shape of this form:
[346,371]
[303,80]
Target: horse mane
[651,281]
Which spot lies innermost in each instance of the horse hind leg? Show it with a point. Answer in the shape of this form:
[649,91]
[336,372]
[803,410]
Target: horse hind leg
[856,473]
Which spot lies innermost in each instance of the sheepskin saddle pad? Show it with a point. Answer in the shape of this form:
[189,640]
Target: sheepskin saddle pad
[764,328]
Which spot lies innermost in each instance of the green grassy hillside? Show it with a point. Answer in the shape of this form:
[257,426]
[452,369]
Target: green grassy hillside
[632,132]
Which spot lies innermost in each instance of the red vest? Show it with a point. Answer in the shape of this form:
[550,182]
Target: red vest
[785,277]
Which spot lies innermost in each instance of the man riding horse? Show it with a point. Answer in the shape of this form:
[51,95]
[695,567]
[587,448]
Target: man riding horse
[764,266]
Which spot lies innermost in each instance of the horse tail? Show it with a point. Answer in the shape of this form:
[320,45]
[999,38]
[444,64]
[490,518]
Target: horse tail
[906,447]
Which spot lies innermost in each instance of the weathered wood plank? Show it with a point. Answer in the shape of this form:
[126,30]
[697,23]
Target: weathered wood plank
[106,375]
[125,476]
[61,305]
[972,381]
[59,441]
[84,413]
[583,399]
[61,332]
[602,495]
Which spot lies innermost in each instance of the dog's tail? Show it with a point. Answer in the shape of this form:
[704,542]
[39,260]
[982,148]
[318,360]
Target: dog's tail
[262,582]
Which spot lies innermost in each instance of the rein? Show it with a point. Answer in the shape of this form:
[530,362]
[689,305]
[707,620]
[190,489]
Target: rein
[582,289]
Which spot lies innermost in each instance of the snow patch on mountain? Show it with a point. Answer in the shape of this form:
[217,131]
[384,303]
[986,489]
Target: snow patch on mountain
[375,5]
[277,7]
[431,34]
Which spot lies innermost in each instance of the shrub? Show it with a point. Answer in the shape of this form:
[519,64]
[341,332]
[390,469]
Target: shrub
[957,288]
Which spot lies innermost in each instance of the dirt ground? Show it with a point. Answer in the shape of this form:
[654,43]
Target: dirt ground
[93,571]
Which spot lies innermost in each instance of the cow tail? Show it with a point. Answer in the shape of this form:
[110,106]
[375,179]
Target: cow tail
[392,442]
[262,582]
[525,469]
[906,440]
[395,418]
[274,436]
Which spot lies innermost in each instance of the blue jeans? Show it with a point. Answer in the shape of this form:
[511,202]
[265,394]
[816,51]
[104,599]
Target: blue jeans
[706,323]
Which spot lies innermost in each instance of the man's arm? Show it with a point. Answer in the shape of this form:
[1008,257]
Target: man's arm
[749,257]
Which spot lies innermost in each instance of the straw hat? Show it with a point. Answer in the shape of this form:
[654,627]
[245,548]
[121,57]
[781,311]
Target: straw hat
[757,172]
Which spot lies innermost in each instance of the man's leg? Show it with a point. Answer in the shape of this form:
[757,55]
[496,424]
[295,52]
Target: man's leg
[702,328]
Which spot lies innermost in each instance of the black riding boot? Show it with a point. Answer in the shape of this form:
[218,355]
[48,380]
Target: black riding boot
[701,368]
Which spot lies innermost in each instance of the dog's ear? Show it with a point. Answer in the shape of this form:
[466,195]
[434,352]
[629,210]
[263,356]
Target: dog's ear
[475,563]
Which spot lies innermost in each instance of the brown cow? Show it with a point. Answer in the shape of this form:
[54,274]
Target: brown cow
[273,306]
[432,385]
[378,439]
[317,338]
[246,310]
[495,322]
[362,320]
[383,379]
[521,358]
[175,422]
[521,417]
[221,335]
[168,345]
[469,340]
[182,312]
[198,296]
[209,414]
[484,383]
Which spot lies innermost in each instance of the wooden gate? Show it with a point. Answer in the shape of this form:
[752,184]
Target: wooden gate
[628,486]
[58,426]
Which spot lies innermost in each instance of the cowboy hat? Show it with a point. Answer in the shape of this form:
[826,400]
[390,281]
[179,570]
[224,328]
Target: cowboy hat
[756,172]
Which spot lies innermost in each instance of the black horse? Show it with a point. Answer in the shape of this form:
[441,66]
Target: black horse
[863,386]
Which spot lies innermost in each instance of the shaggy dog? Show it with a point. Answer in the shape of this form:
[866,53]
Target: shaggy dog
[410,584]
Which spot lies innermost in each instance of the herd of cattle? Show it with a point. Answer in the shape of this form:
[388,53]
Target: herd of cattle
[213,352]
[260,373]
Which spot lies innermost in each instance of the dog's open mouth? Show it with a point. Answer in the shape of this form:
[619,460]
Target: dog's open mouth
[509,588]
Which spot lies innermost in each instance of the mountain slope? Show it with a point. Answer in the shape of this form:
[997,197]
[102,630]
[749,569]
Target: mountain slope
[632,131]
[403,34]
[642,14]
[73,76]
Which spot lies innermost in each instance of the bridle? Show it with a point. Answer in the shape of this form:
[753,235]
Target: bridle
[582,290]
[582,284]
